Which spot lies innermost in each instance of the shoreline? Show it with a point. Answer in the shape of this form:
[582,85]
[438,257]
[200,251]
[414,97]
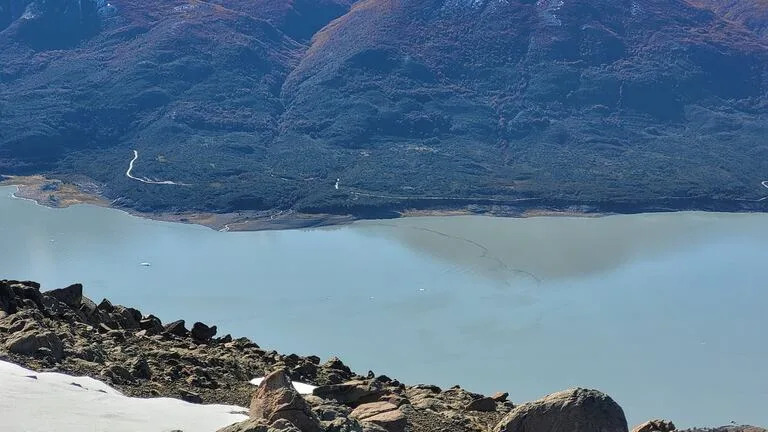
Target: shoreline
[144,358]
[54,193]
[30,188]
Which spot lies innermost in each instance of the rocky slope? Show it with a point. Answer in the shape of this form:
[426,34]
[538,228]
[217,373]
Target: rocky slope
[62,330]
[752,13]
[490,105]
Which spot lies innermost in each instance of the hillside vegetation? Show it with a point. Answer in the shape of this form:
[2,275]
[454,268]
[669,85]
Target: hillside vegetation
[262,105]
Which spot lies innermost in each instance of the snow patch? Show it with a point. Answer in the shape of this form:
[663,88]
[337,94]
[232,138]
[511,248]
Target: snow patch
[44,402]
[302,388]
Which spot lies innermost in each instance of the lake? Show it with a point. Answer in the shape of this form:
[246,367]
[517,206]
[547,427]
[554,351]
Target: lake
[664,312]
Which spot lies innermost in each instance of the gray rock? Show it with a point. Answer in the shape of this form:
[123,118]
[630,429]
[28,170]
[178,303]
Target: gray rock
[176,328]
[483,404]
[71,296]
[140,369]
[655,426]
[351,392]
[250,425]
[190,397]
[575,410]
[29,341]
[152,325]
[500,396]
[125,318]
[117,374]
[283,425]
[203,333]
[335,363]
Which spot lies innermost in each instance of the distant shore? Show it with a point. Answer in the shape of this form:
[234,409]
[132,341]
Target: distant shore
[55,193]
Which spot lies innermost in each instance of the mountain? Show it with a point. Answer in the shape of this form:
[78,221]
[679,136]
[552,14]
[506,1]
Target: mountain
[495,104]
[751,13]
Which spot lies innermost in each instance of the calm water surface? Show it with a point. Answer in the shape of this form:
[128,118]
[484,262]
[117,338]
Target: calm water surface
[664,312]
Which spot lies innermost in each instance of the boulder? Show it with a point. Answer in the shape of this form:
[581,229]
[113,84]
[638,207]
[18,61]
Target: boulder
[382,414]
[29,341]
[105,306]
[117,374]
[140,369]
[152,325]
[176,328]
[15,295]
[500,396]
[283,425]
[655,426]
[483,404]
[203,333]
[336,364]
[575,410]
[250,425]
[276,399]
[71,296]
[351,392]
[88,308]
[125,318]
[190,397]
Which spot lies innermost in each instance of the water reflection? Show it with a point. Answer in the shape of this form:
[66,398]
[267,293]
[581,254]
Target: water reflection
[552,248]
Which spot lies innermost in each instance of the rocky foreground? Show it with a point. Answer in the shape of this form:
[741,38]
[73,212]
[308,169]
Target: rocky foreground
[63,331]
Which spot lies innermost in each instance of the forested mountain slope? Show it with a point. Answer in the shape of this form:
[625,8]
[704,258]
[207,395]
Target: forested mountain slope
[259,105]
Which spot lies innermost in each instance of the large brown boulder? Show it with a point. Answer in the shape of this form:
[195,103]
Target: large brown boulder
[575,410]
[382,414]
[276,399]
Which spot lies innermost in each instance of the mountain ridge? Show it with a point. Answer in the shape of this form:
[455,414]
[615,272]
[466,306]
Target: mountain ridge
[262,106]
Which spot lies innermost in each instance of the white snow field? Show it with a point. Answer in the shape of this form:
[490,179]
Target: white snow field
[44,402]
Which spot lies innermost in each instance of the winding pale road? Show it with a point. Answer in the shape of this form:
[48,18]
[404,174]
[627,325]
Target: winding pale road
[765,184]
[145,179]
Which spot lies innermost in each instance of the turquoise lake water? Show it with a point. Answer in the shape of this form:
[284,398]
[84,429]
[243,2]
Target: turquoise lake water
[664,312]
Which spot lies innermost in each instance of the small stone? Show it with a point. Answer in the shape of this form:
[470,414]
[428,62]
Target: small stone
[190,397]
